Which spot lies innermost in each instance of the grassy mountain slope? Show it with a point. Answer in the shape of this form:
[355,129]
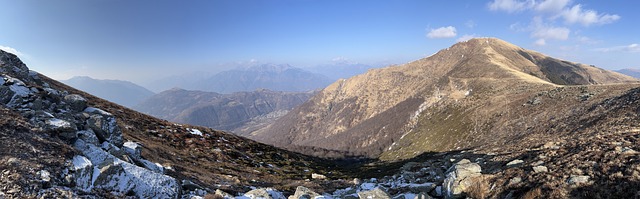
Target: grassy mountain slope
[469,81]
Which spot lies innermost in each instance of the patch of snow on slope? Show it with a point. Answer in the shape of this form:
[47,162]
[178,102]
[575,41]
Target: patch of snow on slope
[195,131]
[96,110]
[58,123]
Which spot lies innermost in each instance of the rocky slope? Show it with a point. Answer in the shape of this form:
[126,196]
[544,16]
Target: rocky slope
[467,95]
[239,112]
[60,142]
[121,92]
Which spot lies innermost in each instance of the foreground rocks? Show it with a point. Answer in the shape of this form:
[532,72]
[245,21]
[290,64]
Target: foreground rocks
[101,165]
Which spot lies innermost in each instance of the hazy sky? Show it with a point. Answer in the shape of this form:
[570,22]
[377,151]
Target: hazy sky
[143,39]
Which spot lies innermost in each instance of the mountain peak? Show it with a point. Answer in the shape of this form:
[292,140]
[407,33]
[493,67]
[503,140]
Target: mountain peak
[358,106]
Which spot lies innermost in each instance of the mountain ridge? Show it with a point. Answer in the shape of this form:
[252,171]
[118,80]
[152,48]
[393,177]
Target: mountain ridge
[467,69]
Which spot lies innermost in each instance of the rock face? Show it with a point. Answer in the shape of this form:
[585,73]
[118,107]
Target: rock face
[239,112]
[460,177]
[453,99]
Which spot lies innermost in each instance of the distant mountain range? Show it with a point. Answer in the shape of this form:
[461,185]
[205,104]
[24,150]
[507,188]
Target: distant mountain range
[630,71]
[265,76]
[121,92]
[239,112]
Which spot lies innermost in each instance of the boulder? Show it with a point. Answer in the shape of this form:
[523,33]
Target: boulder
[82,170]
[114,175]
[133,149]
[460,178]
[105,126]
[540,169]
[304,193]
[14,92]
[264,193]
[318,176]
[575,181]
[76,103]
[376,193]
[65,129]
[88,136]
[515,163]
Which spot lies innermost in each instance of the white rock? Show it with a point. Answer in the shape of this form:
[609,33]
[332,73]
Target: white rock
[318,176]
[96,111]
[264,193]
[578,180]
[133,149]
[515,162]
[195,131]
[539,169]
[377,193]
[45,176]
[113,174]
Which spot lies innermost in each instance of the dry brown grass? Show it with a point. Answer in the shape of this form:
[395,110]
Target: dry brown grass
[535,193]
[213,196]
[479,188]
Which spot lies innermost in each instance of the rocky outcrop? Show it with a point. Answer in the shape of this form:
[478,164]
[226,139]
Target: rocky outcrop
[460,177]
[102,165]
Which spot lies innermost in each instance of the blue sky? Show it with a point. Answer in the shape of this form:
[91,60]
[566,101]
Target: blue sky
[142,40]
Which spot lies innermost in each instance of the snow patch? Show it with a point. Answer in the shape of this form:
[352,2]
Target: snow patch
[195,131]
[96,110]
[58,123]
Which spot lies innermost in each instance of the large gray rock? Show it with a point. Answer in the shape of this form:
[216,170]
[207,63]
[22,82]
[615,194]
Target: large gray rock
[14,92]
[65,129]
[76,103]
[460,178]
[105,126]
[88,136]
[133,149]
[376,193]
[264,193]
[82,170]
[304,193]
[114,175]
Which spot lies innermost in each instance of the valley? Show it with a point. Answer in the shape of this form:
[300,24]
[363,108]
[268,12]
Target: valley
[481,119]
